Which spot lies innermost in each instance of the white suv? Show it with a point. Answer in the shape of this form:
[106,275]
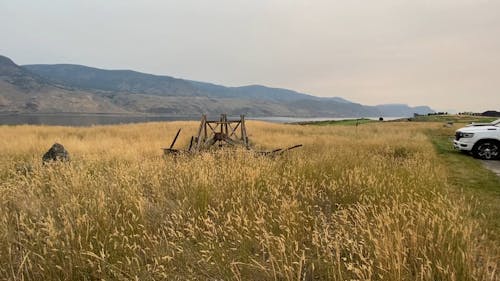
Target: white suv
[482,140]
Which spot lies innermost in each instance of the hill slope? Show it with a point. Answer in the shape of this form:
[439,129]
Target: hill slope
[77,88]
[84,77]
[23,91]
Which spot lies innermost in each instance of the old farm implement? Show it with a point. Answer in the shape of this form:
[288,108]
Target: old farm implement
[220,133]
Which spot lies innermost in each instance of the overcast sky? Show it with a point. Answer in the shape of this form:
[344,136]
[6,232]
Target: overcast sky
[445,54]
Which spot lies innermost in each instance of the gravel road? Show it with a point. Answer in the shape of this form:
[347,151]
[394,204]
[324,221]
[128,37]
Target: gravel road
[493,165]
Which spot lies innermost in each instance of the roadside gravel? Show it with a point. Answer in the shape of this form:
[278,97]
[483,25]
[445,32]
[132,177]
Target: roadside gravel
[493,165]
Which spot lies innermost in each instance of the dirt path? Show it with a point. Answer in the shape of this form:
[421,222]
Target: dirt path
[493,165]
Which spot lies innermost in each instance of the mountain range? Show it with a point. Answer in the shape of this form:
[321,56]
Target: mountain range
[67,88]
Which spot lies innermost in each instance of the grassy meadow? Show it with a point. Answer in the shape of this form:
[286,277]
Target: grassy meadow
[371,202]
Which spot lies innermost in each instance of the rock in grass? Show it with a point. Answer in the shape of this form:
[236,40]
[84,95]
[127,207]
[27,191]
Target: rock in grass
[56,153]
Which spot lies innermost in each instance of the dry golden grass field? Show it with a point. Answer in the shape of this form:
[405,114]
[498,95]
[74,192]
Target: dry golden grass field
[372,202]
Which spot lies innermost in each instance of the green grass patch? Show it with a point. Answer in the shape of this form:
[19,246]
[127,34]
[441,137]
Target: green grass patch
[453,118]
[468,176]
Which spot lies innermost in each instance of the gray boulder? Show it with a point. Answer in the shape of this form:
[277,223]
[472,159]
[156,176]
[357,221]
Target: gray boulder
[56,153]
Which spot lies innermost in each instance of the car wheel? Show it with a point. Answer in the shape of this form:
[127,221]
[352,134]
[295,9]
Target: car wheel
[487,150]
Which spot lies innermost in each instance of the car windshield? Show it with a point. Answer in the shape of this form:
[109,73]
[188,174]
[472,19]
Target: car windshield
[496,123]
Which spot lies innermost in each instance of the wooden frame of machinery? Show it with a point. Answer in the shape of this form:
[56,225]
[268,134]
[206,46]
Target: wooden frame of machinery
[220,133]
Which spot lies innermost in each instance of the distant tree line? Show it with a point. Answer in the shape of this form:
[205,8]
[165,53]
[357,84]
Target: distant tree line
[430,114]
[469,113]
[489,113]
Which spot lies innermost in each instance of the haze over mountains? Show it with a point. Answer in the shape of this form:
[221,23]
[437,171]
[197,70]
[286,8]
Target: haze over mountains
[66,88]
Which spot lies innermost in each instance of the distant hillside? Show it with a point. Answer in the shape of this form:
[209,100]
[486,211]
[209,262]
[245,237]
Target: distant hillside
[77,88]
[402,109]
[257,92]
[23,91]
[491,113]
[83,77]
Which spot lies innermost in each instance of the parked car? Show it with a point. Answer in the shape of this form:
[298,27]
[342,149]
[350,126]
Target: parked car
[480,139]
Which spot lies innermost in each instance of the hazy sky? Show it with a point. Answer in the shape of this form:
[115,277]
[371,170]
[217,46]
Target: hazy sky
[445,54]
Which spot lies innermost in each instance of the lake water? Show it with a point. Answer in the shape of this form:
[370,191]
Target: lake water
[82,119]
[314,119]
[104,119]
